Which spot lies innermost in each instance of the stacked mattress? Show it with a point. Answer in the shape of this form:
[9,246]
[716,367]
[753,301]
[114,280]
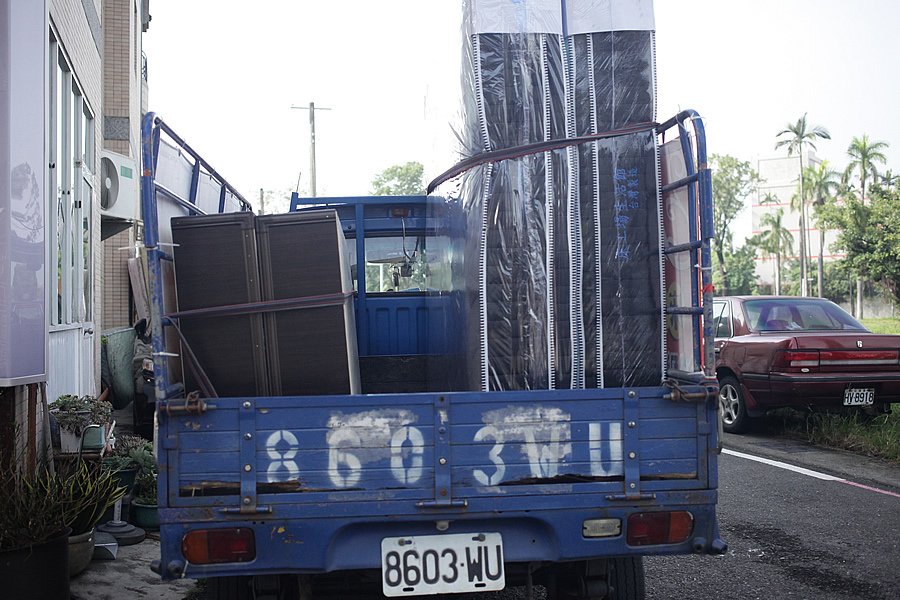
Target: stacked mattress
[562,254]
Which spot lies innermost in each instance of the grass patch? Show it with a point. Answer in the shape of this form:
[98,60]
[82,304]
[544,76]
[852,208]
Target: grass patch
[887,325]
[871,436]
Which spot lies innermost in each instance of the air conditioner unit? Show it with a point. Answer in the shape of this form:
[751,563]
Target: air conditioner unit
[119,187]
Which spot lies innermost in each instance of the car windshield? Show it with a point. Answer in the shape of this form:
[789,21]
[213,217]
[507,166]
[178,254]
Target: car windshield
[798,314]
[414,263]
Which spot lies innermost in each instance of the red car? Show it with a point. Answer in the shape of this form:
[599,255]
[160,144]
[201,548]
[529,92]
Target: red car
[778,351]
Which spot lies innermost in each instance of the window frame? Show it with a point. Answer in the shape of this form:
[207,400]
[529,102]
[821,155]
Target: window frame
[71,148]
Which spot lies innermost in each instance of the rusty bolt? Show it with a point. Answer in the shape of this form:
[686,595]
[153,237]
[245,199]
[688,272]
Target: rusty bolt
[443,492]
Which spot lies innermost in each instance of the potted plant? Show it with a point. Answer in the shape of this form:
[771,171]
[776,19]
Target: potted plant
[130,455]
[74,415]
[144,510]
[92,489]
[34,517]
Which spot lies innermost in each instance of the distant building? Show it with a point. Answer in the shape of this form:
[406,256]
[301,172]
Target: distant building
[779,178]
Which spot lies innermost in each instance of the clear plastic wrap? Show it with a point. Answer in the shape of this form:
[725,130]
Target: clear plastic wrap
[562,263]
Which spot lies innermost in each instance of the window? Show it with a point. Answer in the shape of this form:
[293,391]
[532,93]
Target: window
[72,147]
[790,315]
[722,315]
[414,263]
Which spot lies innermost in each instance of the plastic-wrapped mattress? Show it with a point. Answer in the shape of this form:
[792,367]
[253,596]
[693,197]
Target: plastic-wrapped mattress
[562,251]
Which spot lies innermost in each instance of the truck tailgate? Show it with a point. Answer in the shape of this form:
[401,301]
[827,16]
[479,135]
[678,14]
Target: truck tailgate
[428,451]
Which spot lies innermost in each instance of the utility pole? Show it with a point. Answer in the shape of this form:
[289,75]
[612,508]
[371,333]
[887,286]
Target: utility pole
[312,108]
[262,202]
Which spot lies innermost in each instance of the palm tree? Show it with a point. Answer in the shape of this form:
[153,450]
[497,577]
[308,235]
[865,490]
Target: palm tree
[774,241]
[795,136]
[863,156]
[821,183]
[769,198]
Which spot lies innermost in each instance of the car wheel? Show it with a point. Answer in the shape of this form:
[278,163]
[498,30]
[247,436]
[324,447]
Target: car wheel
[734,409]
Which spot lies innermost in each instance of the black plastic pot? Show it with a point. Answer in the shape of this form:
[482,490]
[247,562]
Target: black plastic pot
[38,571]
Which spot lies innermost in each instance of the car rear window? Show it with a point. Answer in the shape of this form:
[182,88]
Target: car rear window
[795,314]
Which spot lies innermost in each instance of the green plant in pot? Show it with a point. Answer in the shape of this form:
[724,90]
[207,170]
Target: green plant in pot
[144,510]
[35,516]
[93,489]
[74,414]
[131,455]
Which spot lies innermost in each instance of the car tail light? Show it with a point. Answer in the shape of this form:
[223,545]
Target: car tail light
[651,528]
[859,357]
[209,546]
[794,360]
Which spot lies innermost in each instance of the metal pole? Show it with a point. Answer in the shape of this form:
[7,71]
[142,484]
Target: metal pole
[312,108]
[312,149]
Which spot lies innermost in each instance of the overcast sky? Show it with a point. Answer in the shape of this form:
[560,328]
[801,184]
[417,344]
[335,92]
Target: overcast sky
[225,74]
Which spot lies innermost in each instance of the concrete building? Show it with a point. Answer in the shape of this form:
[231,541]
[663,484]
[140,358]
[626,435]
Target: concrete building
[73,90]
[779,182]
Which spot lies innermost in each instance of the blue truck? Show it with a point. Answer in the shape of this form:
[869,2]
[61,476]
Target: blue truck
[436,490]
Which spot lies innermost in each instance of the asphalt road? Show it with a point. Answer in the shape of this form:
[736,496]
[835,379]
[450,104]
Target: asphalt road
[793,535]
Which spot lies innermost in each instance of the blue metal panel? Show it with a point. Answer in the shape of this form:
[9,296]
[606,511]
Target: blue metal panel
[410,324]
[519,442]
[292,545]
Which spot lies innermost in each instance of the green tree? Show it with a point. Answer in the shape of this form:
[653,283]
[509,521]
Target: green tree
[821,184]
[794,137]
[733,180]
[400,180]
[870,235]
[775,240]
[740,265]
[863,156]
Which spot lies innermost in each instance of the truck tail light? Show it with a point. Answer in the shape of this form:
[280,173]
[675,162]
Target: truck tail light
[210,546]
[651,528]
[794,360]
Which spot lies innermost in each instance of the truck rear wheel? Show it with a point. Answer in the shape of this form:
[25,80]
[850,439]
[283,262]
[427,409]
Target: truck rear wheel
[229,588]
[626,579]
[263,587]
[601,579]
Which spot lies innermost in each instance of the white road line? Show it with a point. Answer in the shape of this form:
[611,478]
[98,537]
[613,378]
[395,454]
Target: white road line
[808,472]
[782,465]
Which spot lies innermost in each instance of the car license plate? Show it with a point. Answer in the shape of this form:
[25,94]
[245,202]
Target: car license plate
[859,396]
[442,564]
